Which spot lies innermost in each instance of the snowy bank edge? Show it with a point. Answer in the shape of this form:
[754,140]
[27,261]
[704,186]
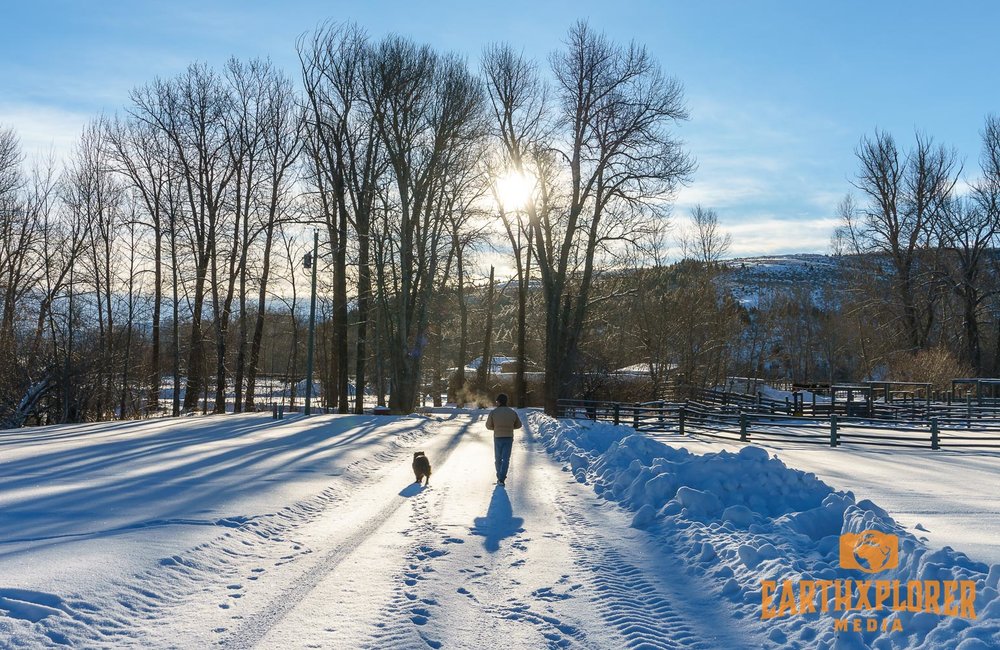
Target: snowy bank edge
[737,519]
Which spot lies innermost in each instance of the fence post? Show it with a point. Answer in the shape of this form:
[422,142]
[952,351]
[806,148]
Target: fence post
[274,411]
[743,428]
[661,407]
[281,411]
[834,437]
[618,412]
[680,420]
[968,410]
[935,443]
[635,416]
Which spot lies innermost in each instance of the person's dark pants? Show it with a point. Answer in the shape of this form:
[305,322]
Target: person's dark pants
[501,456]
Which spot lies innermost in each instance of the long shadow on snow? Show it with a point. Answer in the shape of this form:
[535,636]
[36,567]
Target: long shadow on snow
[194,476]
[499,522]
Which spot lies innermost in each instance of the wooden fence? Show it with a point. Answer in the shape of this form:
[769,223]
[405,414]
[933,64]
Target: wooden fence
[968,413]
[730,422]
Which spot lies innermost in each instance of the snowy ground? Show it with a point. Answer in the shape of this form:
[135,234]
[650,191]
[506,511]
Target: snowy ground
[951,498]
[240,531]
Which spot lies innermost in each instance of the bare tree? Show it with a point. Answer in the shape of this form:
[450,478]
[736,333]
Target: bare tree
[25,229]
[140,153]
[351,158]
[97,196]
[427,113]
[706,242]
[613,107]
[281,142]
[966,232]
[191,111]
[986,194]
[906,197]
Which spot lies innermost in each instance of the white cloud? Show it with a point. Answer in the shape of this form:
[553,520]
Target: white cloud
[44,129]
[768,235]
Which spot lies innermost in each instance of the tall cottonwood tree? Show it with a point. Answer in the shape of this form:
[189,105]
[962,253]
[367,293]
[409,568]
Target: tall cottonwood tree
[191,111]
[349,163]
[30,272]
[427,113]
[97,196]
[967,229]
[140,153]
[611,154]
[281,137]
[905,197]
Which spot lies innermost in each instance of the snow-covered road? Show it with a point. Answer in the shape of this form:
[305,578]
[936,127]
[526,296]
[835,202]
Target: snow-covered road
[244,532]
[472,565]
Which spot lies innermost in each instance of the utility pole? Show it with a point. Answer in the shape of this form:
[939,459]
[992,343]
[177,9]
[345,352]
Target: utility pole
[310,261]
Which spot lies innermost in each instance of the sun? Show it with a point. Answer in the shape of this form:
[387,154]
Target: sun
[514,190]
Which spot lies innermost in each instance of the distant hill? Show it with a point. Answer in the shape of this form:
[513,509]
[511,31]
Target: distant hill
[751,280]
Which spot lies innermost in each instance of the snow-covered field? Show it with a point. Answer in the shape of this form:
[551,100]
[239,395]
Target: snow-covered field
[241,531]
[950,498]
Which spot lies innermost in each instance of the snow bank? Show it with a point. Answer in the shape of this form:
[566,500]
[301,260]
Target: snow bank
[738,519]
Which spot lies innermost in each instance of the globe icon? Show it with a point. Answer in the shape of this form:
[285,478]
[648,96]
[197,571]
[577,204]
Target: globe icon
[871,552]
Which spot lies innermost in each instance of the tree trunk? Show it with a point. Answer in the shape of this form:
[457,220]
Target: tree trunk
[483,373]
[458,381]
[196,355]
[241,352]
[364,296]
[520,384]
[176,329]
[153,399]
[973,349]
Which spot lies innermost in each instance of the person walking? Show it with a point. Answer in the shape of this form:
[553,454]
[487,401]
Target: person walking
[502,421]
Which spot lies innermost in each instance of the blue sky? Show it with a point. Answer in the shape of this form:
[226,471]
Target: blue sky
[779,92]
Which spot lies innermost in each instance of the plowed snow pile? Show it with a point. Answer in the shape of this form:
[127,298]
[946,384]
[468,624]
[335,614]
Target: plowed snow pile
[738,519]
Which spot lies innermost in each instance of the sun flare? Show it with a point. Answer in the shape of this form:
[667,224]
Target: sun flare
[514,190]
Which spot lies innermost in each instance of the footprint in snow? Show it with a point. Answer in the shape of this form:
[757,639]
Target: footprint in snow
[546,593]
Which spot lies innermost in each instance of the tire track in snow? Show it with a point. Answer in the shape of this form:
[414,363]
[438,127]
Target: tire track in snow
[638,609]
[253,629]
[408,611]
[409,618]
[644,610]
[140,610]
